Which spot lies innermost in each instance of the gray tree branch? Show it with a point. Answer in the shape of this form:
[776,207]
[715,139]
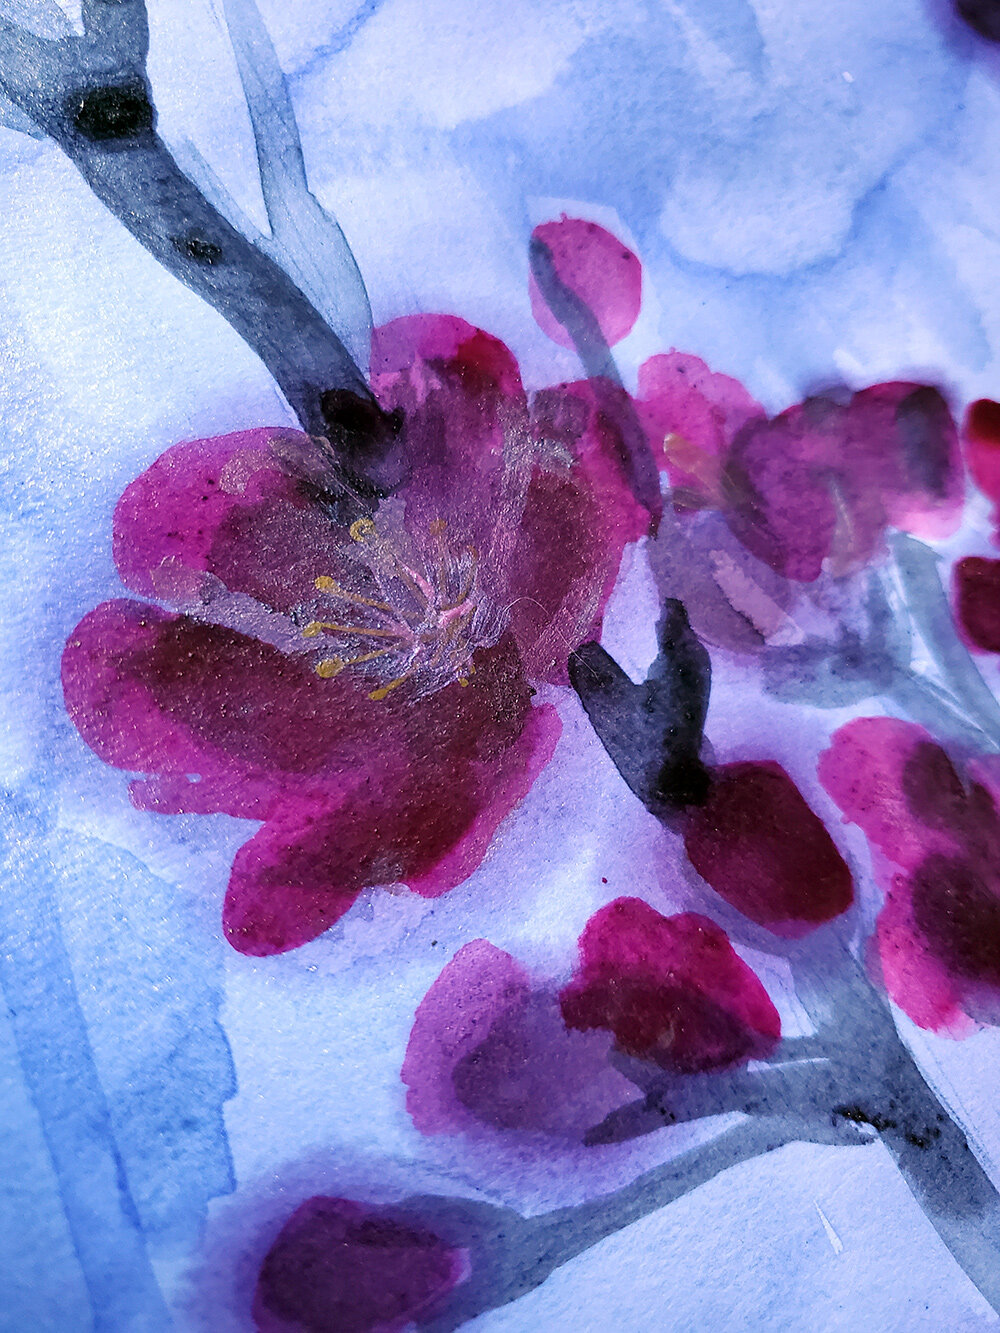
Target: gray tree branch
[91,95]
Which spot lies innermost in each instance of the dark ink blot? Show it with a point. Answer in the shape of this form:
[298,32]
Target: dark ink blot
[194,247]
[761,847]
[119,111]
[976,583]
[366,442]
[858,1115]
[653,731]
[340,1267]
[982,16]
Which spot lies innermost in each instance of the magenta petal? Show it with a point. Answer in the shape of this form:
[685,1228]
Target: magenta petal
[578,518]
[864,771]
[906,443]
[937,944]
[916,980]
[670,989]
[480,984]
[822,481]
[596,267]
[165,694]
[342,1267]
[497,787]
[487,1051]
[691,416]
[459,395]
[295,878]
[761,847]
[427,824]
[231,507]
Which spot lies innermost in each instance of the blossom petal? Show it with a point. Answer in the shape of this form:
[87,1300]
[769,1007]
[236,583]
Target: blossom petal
[671,989]
[429,827]
[164,694]
[691,416]
[981,438]
[459,393]
[761,847]
[597,268]
[579,515]
[865,771]
[976,583]
[822,480]
[478,986]
[341,1266]
[236,507]
[488,1051]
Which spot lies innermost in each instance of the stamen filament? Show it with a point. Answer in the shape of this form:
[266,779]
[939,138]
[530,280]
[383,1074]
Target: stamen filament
[379,694]
[317,626]
[325,584]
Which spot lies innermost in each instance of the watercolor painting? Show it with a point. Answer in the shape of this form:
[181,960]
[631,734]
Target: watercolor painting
[501,648]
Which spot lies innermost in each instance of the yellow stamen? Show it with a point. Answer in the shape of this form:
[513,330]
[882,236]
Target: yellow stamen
[325,584]
[379,694]
[316,626]
[462,681]
[361,528]
[333,666]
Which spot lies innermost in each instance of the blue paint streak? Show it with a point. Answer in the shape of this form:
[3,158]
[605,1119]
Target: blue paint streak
[63,1084]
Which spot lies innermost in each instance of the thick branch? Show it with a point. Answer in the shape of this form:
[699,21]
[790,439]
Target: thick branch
[91,95]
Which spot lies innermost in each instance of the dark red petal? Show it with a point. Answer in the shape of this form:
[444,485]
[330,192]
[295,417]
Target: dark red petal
[981,437]
[671,989]
[165,694]
[760,846]
[236,507]
[341,1267]
[579,515]
[596,267]
[459,394]
[976,584]
[427,822]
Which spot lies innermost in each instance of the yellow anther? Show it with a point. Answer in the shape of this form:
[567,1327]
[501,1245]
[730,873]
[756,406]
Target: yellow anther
[462,681]
[312,629]
[379,694]
[330,666]
[325,583]
[361,528]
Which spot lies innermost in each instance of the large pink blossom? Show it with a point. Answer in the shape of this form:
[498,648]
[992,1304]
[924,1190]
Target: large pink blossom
[362,688]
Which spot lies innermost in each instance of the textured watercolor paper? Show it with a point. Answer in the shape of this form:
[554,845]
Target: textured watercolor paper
[500,611]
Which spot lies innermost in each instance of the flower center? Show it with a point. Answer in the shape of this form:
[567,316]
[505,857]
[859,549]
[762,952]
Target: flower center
[409,615]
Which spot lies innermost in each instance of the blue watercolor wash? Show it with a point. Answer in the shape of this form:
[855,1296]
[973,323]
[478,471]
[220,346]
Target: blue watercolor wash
[61,1077]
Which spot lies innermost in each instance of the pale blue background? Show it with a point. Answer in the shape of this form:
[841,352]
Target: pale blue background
[814,192]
